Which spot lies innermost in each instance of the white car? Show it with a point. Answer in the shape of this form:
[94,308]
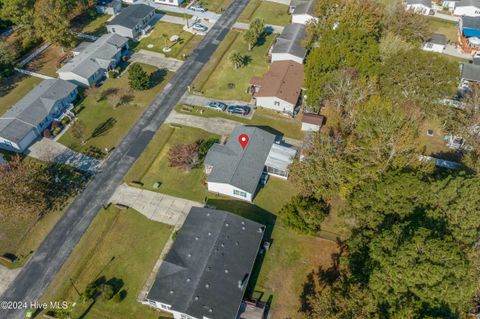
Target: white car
[197,8]
[199,27]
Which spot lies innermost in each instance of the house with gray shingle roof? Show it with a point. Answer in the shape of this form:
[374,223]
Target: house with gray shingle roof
[419,6]
[288,45]
[132,20]
[469,72]
[27,119]
[93,60]
[237,172]
[206,272]
[303,11]
[469,8]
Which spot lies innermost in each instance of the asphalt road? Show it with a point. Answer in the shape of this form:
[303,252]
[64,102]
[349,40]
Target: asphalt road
[41,269]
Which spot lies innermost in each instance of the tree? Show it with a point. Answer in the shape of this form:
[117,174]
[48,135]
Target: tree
[108,291]
[7,59]
[183,156]
[418,75]
[251,38]
[24,189]
[164,36]
[52,22]
[258,27]
[410,26]
[304,215]
[237,59]
[138,78]
[78,130]
[19,12]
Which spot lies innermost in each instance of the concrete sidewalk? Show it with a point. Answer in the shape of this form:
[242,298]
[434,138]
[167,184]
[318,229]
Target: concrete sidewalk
[50,151]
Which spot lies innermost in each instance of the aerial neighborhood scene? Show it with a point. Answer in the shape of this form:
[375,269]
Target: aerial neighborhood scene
[240,159]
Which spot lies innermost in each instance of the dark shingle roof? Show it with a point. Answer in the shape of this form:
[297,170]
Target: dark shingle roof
[438,38]
[470,72]
[235,166]
[470,22]
[207,269]
[427,3]
[290,41]
[33,108]
[304,7]
[131,15]
[468,3]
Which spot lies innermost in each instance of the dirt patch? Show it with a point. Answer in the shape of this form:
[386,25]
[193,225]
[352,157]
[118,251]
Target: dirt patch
[48,61]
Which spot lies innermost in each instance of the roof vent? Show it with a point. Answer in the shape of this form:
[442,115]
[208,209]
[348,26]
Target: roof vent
[196,298]
[188,279]
[243,227]
[197,238]
[189,255]
[207,285]
[243,223]
[237,243]
[171,292]
[226,271]
[223,244]
[210,310]
[227,224]
[260,229]
[208,214]
[209,234]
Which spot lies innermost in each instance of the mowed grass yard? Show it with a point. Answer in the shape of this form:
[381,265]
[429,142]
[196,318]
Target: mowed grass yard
[93,25]
[104,125]
[283,271]
[262,117]
[448,28]
[218,79]
[13,88]
[153,164]
[155,41]
[271,12]
[215,5]
[121,246]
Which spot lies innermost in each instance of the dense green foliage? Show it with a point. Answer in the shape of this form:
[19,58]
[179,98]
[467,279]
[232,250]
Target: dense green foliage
[304,214]
[138,78]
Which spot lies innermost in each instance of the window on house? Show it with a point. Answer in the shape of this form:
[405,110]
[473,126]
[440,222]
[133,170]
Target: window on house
[429,45]
[277,103]
[239,193]
[163,306]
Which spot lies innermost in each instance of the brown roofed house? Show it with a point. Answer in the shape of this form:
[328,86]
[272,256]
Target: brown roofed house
[280,88]
[312,122]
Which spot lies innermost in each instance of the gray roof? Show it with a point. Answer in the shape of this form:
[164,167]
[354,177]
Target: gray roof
[237,167]
[33,108]
[280,157]
[94,56]
[290,41]
[427,3]
[470,22]
[304,7]
[470,72]
[206,271]
[468,3]
[438,38]
[132,15]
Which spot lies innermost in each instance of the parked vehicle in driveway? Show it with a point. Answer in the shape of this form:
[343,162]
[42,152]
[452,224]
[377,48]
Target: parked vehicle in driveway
[199,27]
[197,8]
[239,109]
[219,106]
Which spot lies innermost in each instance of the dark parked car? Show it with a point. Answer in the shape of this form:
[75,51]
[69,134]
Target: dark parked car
[219,106]
[238,109]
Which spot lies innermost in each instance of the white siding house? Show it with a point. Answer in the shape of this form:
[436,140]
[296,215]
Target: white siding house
[230,190]
[132,21]
[303,11]
[288,46]
[470,11]
[436,44]
[419,6]
[170,2]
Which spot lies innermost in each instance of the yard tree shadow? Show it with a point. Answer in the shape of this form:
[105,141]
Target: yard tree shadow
[257,214]
[126,99]
[157,77]
[104,127]
[262,39]
[106,93]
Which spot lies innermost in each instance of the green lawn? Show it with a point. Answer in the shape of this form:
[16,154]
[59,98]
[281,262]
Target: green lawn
[153,165]
[216,5]
[227,83]
[291,257]
[104,125]
[448,28]
[93,25]
[121,246]
[262,117]
[21,235]
[14,88]
[270,12]
[185,45]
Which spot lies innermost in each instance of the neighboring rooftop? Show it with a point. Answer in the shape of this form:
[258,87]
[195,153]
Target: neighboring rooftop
[94,56]
[208,267]
[283,80]
[311,118]
[239,167]
[33,108]
[470,72]
[304,7]
[290,41]
[467,22]
[132,15]
[468,3]
[427,3]
[438,38]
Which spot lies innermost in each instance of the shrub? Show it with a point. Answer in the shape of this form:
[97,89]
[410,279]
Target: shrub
[304,214]
[112,74]
[183,156]
[120,296]
[138,78]
[95,152]
[107,291]
[56,131]
[46,133]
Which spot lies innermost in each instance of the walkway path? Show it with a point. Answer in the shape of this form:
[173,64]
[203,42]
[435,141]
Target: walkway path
[52,253]
[155,206]
[50,151]
[156,59]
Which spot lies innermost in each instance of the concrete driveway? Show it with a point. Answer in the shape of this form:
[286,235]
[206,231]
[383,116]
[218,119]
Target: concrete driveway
[200,100]
[6,277]
[156,59]
[155,206]
[50,151]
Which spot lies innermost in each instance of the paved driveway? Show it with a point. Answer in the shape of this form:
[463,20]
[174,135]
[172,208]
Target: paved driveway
[214,125]
[156,59]
[6,277]
[50,151]
[155,206]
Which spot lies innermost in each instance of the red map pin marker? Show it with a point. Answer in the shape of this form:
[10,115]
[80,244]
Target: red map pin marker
[243,140]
